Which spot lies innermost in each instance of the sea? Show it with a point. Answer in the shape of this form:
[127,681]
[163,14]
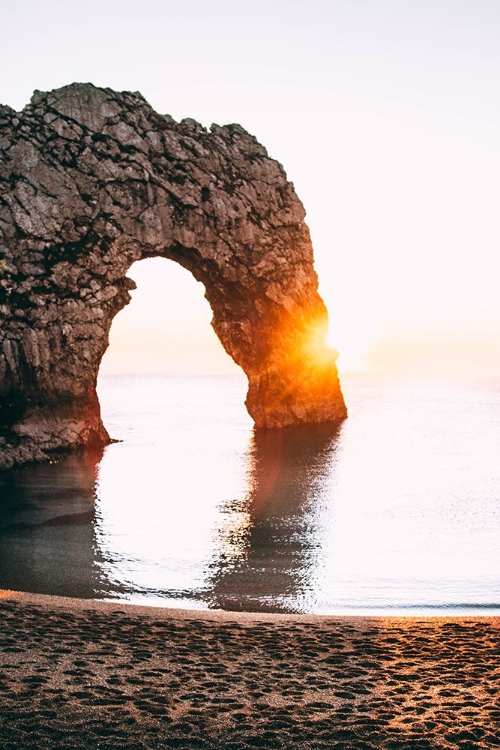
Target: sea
[397,511]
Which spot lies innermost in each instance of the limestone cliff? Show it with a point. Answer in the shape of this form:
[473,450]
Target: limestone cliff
[92,180]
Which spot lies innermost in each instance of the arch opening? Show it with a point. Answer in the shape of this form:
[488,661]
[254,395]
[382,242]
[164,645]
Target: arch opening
[163,356]
[166,328]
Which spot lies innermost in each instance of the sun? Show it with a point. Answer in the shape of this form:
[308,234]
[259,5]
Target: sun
[352,344]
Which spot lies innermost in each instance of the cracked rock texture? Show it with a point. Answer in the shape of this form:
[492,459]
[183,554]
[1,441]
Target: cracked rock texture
[92,180]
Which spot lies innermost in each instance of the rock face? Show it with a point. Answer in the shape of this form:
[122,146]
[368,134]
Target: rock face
[92,180]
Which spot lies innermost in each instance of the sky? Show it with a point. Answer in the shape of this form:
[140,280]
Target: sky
[386,117]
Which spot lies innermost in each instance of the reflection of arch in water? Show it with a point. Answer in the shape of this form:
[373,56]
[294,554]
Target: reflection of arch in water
[270,547]
[47,536]
[264,554]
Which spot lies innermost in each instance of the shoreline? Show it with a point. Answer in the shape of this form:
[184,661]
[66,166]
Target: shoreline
[220,615]
[79,673]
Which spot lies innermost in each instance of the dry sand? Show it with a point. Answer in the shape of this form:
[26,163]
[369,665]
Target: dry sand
[81,674]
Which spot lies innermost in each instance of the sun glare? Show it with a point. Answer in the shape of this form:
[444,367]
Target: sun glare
[317,347]
[352,346]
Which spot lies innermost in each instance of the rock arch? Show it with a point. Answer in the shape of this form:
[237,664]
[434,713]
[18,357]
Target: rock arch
[92,180]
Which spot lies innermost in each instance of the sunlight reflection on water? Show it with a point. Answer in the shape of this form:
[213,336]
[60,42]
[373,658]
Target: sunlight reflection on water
[398,509]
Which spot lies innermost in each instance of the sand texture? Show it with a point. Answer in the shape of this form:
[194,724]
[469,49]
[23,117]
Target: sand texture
[77,674]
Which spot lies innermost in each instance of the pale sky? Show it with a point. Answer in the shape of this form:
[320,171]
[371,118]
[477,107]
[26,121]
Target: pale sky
[385,115]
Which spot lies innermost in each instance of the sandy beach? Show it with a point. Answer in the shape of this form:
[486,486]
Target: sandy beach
[86,674]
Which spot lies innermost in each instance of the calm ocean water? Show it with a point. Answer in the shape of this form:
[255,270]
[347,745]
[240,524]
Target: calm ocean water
[397,511]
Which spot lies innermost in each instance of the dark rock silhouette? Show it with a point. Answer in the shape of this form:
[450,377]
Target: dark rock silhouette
[92,180]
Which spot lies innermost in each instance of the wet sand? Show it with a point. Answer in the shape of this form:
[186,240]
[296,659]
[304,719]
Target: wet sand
[85,674]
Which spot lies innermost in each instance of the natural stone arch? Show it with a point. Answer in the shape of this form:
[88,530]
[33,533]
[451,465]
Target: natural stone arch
[92,180]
